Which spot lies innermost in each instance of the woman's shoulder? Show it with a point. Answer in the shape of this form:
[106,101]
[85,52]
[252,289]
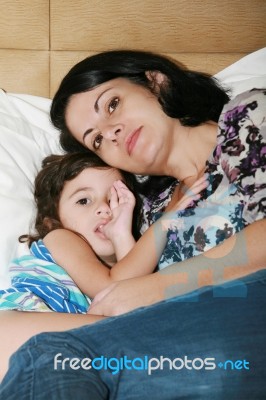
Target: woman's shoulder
[254,99]
[242,137]
[243,116]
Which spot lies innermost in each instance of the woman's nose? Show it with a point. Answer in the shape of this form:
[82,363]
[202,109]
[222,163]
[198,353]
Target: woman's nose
[112,132]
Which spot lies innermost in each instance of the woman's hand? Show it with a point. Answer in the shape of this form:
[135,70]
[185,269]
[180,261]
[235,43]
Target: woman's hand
[124,296]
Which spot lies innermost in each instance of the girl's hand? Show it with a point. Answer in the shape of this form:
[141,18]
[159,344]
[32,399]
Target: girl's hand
[122,205]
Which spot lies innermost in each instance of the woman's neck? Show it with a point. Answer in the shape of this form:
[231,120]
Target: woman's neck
[191,148]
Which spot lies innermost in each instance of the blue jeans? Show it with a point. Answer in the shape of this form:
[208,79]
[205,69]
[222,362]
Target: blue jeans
[209,344]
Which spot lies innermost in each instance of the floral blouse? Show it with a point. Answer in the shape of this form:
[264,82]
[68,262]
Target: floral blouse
[236,194]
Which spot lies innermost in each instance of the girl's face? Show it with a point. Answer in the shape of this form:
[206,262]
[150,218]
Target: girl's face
[124,124]
[84,208]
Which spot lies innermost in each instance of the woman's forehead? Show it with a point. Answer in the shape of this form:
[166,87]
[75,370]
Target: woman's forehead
[117,83]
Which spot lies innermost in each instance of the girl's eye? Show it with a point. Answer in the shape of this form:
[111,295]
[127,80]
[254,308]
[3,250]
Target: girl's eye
[84,201]
[97,141]
[113,104]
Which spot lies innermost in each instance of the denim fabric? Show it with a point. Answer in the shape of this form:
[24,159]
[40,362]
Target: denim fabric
[225,325]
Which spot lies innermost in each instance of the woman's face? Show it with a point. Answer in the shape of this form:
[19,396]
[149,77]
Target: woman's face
[124,124]
[84,208]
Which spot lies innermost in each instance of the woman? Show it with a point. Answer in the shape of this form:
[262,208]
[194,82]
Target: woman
[141,112]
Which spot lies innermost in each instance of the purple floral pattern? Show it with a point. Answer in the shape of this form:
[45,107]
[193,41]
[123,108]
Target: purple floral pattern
[236,195]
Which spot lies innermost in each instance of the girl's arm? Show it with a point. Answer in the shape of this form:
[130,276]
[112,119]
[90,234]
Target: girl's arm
[144,256]
[238,256]
[77,258]
[73,254]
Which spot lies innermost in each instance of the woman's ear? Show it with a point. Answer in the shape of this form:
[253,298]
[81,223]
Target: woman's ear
[157,79]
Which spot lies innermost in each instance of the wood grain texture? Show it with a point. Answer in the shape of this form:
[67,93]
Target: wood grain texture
[60,64]
[25,71]
[170,25]
[62,61]
[24,24]
[41,39]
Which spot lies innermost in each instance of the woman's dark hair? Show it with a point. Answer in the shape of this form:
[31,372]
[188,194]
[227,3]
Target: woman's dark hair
[192,97]
[49,183]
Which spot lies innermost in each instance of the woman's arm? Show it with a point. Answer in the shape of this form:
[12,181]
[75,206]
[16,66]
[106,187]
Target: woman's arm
[17,327]
[239,255]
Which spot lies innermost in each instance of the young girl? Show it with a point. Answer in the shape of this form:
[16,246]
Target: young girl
[83,227]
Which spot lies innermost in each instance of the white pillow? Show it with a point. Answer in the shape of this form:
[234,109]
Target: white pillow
[27,136]
[245,74]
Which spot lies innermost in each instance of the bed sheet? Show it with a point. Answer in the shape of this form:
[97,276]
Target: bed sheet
[27,136]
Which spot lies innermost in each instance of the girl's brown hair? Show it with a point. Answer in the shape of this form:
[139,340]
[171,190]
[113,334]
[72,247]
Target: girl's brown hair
[49,183]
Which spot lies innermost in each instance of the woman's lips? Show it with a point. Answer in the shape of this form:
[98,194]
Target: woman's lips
[132,140]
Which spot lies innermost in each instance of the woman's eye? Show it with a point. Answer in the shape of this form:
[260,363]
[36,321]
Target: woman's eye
[113,104]
[97,141]
[84,201]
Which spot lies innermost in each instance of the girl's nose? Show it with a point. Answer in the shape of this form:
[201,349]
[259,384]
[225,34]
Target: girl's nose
[104,210]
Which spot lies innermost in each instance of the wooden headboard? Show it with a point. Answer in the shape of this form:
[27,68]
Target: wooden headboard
[41,39]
